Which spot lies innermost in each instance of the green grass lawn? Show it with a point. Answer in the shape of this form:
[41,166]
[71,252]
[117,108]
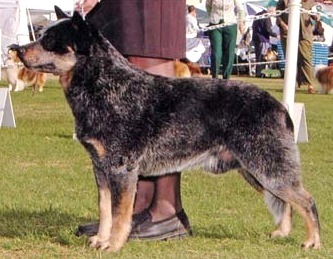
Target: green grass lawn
[47,188]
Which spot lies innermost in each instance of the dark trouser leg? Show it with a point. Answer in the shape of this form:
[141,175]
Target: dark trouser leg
[305,68]
[145,194]
[229,35]
[215,38]
[259,58]
[167,198]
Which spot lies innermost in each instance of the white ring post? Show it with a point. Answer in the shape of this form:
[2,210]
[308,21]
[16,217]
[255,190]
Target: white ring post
[291,55]
[296,110]
[1,57]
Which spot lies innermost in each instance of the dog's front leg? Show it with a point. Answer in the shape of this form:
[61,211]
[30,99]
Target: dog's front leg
[102,238]
[116,191]
[123,188]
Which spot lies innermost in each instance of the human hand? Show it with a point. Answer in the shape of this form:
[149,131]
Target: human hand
[241,28]
[85,6]
[317,17]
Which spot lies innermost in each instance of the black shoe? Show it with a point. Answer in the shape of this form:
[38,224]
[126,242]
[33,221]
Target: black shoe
[91,229]
[143,227]
[177,226]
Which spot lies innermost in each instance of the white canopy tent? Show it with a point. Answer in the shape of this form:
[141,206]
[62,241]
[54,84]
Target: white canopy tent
[13,23]
[16,16]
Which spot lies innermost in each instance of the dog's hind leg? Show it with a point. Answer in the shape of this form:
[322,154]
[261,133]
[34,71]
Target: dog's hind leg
[281,210]
[283,189]
[282,213]
[302,201]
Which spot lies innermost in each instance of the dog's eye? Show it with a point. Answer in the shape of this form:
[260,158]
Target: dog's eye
[48,41]
[52,42]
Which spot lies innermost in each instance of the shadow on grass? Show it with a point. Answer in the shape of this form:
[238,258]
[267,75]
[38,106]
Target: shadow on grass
[65,136]
[222,232]
[58,227]
[50,223]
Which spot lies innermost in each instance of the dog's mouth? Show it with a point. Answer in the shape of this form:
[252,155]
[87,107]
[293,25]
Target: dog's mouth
[48,67]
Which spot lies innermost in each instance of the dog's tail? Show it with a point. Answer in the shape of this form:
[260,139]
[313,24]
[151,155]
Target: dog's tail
[275,205]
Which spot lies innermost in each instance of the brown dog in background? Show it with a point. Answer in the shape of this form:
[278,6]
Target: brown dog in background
[181,69]
[324,75]
[19,77]
[186,68]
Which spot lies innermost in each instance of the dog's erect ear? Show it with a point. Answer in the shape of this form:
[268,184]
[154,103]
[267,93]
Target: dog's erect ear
[60,13]
[77,19]
[83,34]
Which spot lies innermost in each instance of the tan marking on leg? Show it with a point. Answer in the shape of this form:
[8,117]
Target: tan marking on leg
[121,226]
[98,147]
[105,223]
[41,79]
[284,227]
[102,239]
[302,202]
[312,228]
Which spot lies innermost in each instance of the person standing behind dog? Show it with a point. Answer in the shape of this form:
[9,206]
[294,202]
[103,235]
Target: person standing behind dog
[152,37]
[192,25]
[262,30]
[223,40]
[194,45]
[305,72]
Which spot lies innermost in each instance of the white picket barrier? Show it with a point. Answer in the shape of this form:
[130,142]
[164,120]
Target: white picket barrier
[6,109]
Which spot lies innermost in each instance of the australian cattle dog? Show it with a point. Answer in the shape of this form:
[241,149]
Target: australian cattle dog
[134,123]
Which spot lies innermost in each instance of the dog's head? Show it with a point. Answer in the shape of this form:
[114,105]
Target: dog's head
[12,54]
[271,55]
[57,49]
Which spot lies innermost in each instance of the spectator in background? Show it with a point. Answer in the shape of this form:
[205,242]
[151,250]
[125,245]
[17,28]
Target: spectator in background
[151,34]
[192,25]
[262,31]
[305,73]
[194,45]
[223,40]
[318,32]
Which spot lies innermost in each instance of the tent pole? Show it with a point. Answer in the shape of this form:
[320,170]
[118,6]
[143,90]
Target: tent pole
[30,24]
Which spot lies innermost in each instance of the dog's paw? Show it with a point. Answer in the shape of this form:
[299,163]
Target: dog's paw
[278,233]
[99,243]
[313,243]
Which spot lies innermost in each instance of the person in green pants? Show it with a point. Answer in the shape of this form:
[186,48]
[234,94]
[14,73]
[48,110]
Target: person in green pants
[223,40]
